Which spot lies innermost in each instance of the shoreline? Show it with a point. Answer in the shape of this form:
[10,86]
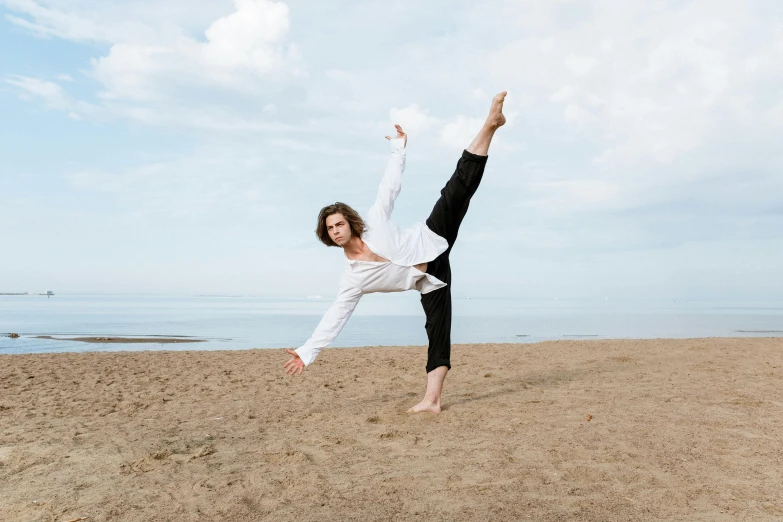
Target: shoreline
[761,334]
[124,340]
[569,429]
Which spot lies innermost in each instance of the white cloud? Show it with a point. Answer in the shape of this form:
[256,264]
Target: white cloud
[575,113]
[240,48]
[459,132]
[119,21]
[479,94]
[564,94]
[206,118]
[580,65]
[152,75]
[412,119]
[51,94]
[53,22]
[651,83]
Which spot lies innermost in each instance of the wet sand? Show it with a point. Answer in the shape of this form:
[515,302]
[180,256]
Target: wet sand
[568,430]
[124,340]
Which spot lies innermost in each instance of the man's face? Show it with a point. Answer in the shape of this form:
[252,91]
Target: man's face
[338,228]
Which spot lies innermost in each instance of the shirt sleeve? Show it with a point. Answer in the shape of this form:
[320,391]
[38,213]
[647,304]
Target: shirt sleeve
[391,183]
[331,324]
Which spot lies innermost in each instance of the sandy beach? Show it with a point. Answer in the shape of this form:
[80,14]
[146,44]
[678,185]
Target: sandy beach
[568,430]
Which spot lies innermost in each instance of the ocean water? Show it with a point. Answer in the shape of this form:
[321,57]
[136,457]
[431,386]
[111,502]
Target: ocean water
[240,322]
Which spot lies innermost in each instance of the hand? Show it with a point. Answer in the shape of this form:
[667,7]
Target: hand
[295,364]
[400,134]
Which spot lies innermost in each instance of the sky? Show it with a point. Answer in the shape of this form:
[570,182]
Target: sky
[186,146]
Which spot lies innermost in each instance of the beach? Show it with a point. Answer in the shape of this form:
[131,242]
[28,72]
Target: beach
[685,429]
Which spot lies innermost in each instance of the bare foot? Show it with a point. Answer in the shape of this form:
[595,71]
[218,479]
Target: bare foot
[426,406]
[496,118]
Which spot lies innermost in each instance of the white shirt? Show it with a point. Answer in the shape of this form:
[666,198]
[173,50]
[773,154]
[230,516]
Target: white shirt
[402,247]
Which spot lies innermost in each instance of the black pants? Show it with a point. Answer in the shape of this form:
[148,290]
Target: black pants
[445,219]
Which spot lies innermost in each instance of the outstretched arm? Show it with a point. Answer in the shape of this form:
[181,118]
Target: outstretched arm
[327,330]
[391,183]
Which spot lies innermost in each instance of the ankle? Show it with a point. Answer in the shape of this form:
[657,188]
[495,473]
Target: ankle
[491,125]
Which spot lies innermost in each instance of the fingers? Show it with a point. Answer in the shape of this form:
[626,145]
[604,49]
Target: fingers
[294,367]
[400,133]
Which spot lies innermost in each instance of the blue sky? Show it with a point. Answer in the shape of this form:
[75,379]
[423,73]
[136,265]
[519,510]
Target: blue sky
[186,146]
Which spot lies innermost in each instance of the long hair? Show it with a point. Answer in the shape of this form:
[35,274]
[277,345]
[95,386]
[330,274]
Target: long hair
[351,216]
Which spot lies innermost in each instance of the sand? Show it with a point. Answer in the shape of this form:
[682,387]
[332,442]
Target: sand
[677,430]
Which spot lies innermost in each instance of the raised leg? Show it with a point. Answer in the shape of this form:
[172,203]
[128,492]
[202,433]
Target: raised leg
[450,209]
[445,219]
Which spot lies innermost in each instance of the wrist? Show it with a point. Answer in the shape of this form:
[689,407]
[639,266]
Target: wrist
[397,143]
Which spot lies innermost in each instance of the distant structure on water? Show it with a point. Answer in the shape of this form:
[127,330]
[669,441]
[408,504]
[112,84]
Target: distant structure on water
[48,293]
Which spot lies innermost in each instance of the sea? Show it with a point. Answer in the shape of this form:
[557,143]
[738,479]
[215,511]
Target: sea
[234,322]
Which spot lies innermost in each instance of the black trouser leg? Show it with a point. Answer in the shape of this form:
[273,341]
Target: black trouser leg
[437,309]
[451,207]
[445,220]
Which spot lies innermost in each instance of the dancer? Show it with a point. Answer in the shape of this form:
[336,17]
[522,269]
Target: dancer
[383,258]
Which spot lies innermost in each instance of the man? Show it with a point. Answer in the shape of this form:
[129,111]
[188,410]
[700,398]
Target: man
[383,258]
